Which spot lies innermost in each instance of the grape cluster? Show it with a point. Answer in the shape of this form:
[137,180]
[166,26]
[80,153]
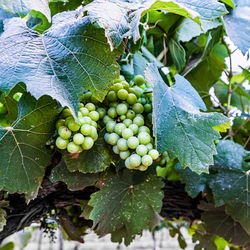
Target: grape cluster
[125,123]
[76,136]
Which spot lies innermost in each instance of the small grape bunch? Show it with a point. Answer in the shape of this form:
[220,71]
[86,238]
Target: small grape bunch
[76,136]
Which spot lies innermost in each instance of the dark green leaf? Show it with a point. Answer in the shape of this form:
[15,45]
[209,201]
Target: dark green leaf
[68,58]
[23,152]
[179,126]
[37,21]
[229,3]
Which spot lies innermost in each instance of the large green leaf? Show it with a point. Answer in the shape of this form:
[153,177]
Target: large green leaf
[64,5]
[68,58]
[23,7]
[179,126]
[128,201]
[23,152]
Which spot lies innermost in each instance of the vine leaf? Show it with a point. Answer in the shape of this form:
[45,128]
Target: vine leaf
[23,152]
[179,126]
[69,57]
[25,6]
[74,181]
[126,202]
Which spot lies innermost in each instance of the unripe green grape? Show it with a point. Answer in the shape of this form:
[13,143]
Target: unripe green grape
[138,121]
[121,109]
[138,92]
[125,85]
[106,137]
[138,108]
[116,150]
[73,148]
[110,126]
[84,111]
[124,154]
[73,126]
[79,114]
[122,94]
[61,143]
[17,96]
[144,138]
[122,78]
[94,115]
[147,107]
[113,138]
[122,144]
[113,104]
[130,114]
[116,87]
[111,96]
[102,112]
[134,128]
[122,117]
[147,160]
[78,139]
[60,123]
[119,128]
[132,91]
[94,124]
[86,129]
[64,132]
[127,122]
[68,120]
[112,112]
[81,105]
[80,150]
[139,80]
[88,143]
[127,163]
[142,100]
[149,116]
[135,160]
[132,99]
[141,150]
[85,120]
[140,115]
[90,106]
[94,134]
[87,95]
[127,133]
[142,168]
[106,119]
[151,99]
[66,113]
[144,129]
[154,154]
[162,162]
[149,146]
[133,142]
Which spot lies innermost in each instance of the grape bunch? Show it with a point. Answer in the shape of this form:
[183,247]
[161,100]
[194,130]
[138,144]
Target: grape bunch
[76,136]
[125,123]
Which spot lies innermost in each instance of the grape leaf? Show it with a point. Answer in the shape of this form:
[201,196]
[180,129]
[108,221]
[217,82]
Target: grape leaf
[128,201]
[74,181]
[179,126]
[68,58]
[229,3]
[230,186]
[23,152]
[23,7]
[95,160]
[237,25]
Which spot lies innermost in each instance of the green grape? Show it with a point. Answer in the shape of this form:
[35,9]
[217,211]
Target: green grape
[87,95]
[66,113]
[133,142]
[90,106]
[102,112]
[127,133]
[147,160]
[140,115]
[124,154]
[79,114]
[113,138]
[127,122]
[117,87]
[142,168]
[121,109]
[73,148]
[122,94]
[113,104]
[86,129]
[106,119]
[94,134]
[64,132]
[84,111]
[85,120]
[60,123]
[132,91]
[149,116]
[141,150]
[78,139]
[139,80]
[132,99]
[122,144]
[110,126]
[94,124]
[61,143]
[111,96]
[144,129]
[119,128]
[154,154]
[138,91]
[138,108]
[142,100]
[130,114]
[138,121]
[88,143]
[134,128]
[94,115]
[144,138]
[17,96]
[125,85]
[149,146]
[122,117]
[135,160]
[148,108]
[127,163]
[116,150]
[73,126]
[106,137]
[112,112]
[68,120]
[81,105]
